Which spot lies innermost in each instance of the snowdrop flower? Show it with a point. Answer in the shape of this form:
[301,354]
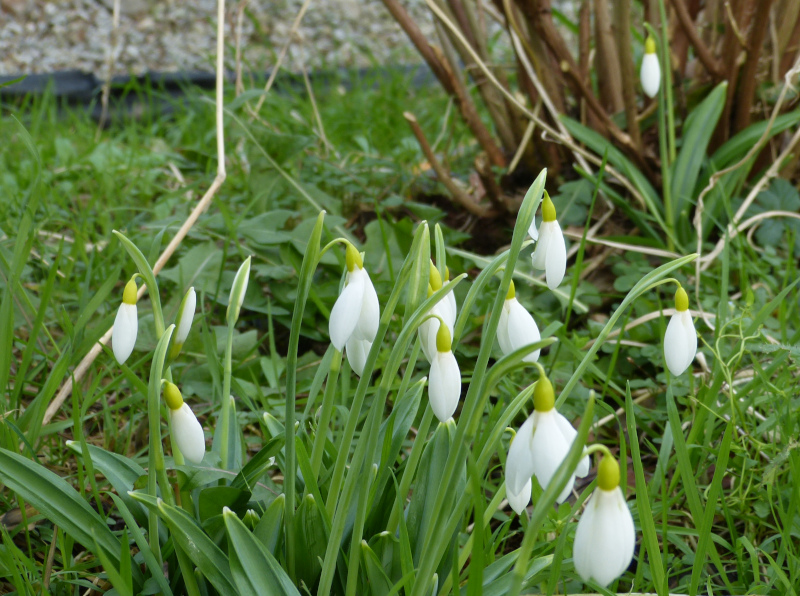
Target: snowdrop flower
[680,340]
[449,302]
[605,538]
[444,381]
[650,73]
[126,325]
[539,448]
[356,314]
[517,327]
[551,250]
[238,290]
[186,430]
[444,309]
[183,322]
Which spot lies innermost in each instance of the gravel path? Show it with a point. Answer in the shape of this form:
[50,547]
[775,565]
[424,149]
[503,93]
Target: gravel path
[39,36]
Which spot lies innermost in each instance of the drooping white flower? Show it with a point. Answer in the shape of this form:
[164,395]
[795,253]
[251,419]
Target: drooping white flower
[444,381]
[187,433]
[650,73]
[606,537]
[126,324]
[445,310]
[516,327]
[551,250]
[356,314]
[541,444]
[680,340]
[184,322]
[238,290]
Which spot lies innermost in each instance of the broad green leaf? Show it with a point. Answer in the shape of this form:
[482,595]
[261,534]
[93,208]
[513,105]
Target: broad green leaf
[379,582]
[206,555]
[254,469]
[270,527]
[58,502]
[697,131]
[254,569]
[311,540]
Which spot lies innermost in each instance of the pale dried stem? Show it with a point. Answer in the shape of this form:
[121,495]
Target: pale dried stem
[645,250]
[704,263]
[66,389]
[281,56]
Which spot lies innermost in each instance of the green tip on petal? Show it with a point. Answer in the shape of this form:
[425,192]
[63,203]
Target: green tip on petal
[430,291]
[443,341]
[608,473]
[681,300]
[435,278]
[544,398]
[548,208]
[446,273]
[129,294]
[353,258]
[172,396]
[512,293]
[650,45]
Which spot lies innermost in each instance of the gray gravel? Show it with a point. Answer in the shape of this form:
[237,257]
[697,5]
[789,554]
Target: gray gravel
[43,36]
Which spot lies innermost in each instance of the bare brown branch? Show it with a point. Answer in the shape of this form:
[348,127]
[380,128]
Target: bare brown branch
[457,194]
[703,53]
[622,18]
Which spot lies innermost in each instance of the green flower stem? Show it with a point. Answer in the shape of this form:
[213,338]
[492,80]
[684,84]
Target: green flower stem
[305,279]
[644,285]
[470,411]
[225,454]
[156,469]
[150,280]
[328,402]
[416,264]
[666,69]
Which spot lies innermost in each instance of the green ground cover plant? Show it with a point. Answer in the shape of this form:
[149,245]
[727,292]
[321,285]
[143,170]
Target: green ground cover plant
[353,471]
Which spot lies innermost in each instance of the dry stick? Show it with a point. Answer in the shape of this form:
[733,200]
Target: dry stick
[317,117]
[704,263]
[645,250]
[240,6]
[112,48]
[83,366]
[703,53]
[622,17]
[747,90]
[458,195]
[292,32]
[610,82]
[452,85]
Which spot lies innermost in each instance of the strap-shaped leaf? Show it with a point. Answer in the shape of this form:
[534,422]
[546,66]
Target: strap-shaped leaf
[254,569]
[61,504]
[206,555]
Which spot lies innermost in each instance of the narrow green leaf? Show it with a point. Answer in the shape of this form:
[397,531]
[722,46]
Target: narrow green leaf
[255,570]
[206,555]
[697,131]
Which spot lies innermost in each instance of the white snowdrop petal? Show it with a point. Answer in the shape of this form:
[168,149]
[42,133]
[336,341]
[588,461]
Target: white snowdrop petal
[556,257]
[452,310]
[519,463]
[519,501]
[370,318]
[427,337]
[346,311]
[522,329]
[188,434]
[126,326]
[533,231]
[540,252]
[502,330]
[650,74]
[187,315]
[675,346]
[444,385]
[548,450]
[690,336]
[357,351]
[605,538]
[569,433]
